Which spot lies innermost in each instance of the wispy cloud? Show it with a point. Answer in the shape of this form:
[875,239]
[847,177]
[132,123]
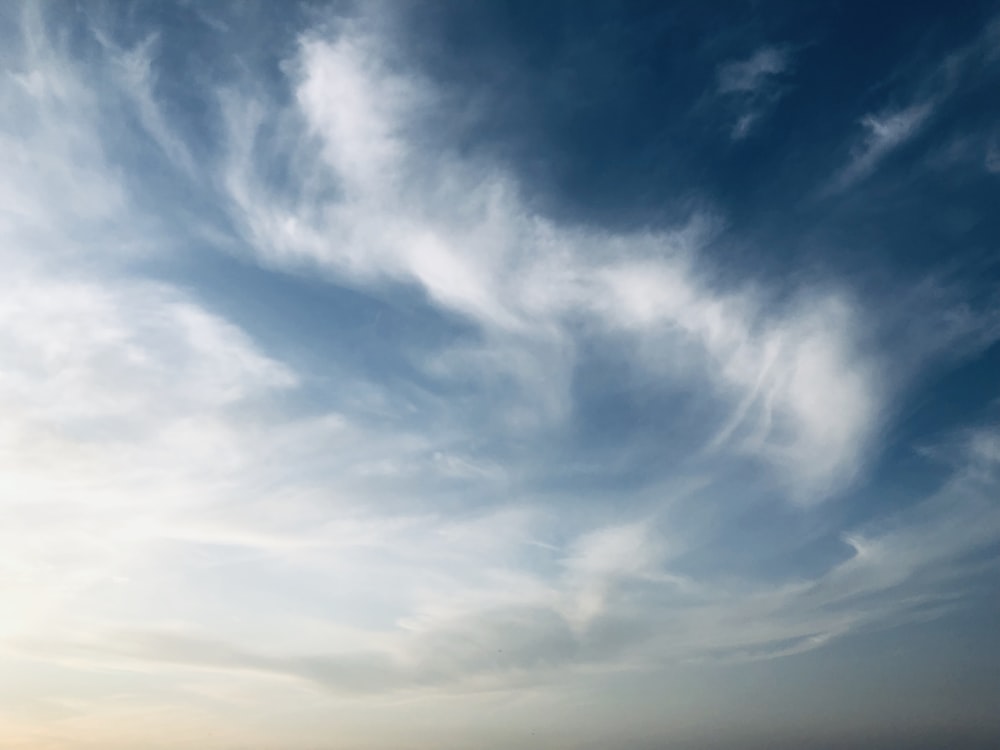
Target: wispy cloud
[886,132]
[517,629]
[755,73]
[469,241]
[135,70]
[992,161]
[932,92]
[754,85]
[179,499]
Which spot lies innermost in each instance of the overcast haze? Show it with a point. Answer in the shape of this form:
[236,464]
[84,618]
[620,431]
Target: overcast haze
[445,375]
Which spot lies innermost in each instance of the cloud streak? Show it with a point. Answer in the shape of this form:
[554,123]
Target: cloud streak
[886,132]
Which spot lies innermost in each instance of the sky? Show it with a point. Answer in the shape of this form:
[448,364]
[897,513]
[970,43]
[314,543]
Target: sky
[446,375]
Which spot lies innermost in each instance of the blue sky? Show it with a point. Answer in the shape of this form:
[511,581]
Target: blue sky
[447,375]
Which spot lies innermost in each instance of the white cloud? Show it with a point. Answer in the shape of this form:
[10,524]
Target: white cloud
[116,397]
[753,85]
[463,234]
[803,396]
[600,559]
[166,516]
[482,620]
[931,93]
[886,131]
[755,72]
[56,174]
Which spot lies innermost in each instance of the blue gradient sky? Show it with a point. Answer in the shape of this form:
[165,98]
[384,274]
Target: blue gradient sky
[510,374]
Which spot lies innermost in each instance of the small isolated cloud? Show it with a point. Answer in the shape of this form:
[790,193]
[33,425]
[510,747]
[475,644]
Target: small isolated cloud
[936,89]
[755,73]
[886,131]
[753,85]
[744,124]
